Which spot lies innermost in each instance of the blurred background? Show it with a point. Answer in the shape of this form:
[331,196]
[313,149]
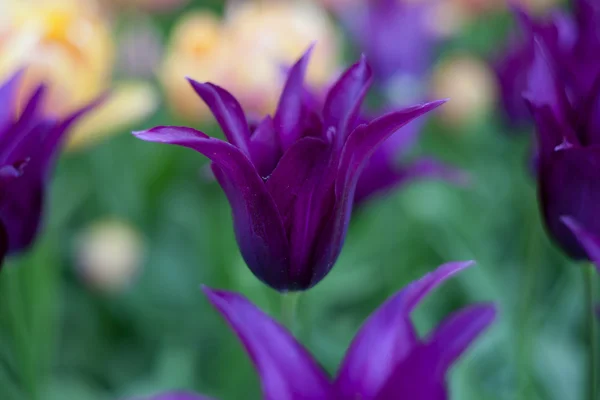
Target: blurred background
[107,305]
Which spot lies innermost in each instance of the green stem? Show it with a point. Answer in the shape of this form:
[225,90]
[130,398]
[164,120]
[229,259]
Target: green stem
[588,276]
[527,300]
[289,306]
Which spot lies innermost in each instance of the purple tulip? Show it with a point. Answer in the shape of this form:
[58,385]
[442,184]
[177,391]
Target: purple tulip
[291,180]
[386,360]
[512,67]
[567,118]
[29,142]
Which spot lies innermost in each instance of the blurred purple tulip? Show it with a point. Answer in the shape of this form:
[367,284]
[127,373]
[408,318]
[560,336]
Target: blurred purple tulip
[396,37]
[29,143]
[386,360]
[399,43]
[291,180]
[566,112]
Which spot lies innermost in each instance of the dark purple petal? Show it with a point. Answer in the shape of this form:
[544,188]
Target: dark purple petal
[344,100]
[8,95]
[21,206]
[11,147]
[288,117]
[264,147]
[591,243]
[294,186]
[286,370]
[361,144]
[544,89]
[177,396]
[569,186]
[228,112]
[258,225]
[387,337]
[511,73]
[453,336]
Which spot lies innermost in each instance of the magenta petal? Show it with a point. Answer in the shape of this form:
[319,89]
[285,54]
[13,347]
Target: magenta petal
[589,242]
[258,226]
[453,336]
[177,396]
[286,370]
[345,98]
[228,112]
[387,337]
[288,116]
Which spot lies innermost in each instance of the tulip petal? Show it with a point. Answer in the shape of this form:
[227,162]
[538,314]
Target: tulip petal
[297,187]
[21,206]
[286,369]
[264,147]
[361,144]
[345,98]
[590,243]
[8,94]
[569,186]
[258,225]
[11,139]
[387,337]
[228,112]
[453,336]
[288,116]
[544,91]
[295,170]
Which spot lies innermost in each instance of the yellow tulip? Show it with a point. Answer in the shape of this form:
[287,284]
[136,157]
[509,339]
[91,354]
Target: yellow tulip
[68,45]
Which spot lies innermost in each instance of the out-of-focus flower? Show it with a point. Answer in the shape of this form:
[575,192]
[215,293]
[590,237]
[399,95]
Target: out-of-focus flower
[291,180]
[401,70]
[469,83]
[109,254]
[68,44]
[398,42]
[386,360]
[563,94]
[148,5]
[29,143]
[247,51]
[140,49]
[383,172]
[512,67]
